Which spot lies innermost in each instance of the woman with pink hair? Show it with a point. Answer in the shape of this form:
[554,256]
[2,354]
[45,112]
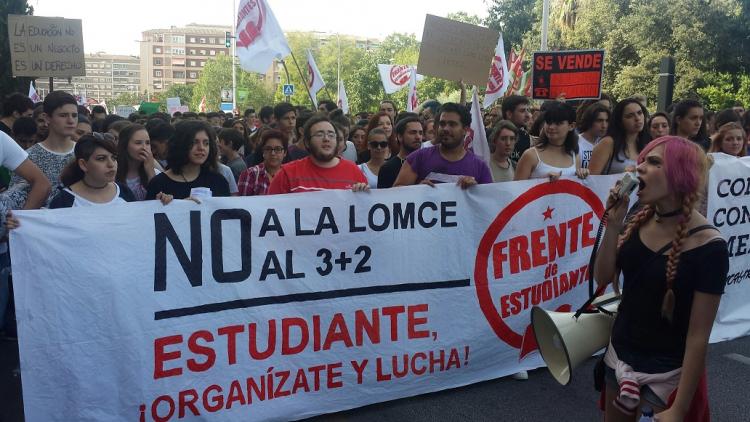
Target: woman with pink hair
[670,296]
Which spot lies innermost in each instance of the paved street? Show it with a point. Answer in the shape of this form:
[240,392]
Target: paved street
[538,399]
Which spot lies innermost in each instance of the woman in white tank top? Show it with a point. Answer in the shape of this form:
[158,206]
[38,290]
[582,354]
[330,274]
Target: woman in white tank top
[556,153]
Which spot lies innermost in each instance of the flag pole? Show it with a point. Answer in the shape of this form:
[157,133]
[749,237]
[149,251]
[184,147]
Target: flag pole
[234,54]
[304,80]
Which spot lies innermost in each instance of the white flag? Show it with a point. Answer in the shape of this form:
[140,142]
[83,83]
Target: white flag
[260,39]
[104,104]
[476,138]
[499,78]
[315,82]
[395,76]
[343,102]
[32,93]
[411,99]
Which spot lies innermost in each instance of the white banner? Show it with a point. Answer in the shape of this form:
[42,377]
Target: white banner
[289,306]
[729,211]
[395,77]
[499,78]
[315,80]
[476,137]
[343,102]
[259,38]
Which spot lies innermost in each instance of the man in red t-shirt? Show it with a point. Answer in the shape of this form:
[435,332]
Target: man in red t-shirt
[322,169]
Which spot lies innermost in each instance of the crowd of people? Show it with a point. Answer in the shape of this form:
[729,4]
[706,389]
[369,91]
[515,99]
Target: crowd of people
[59,154]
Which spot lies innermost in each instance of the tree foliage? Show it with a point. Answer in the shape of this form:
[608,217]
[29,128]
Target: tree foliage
[216,75]
[706,39]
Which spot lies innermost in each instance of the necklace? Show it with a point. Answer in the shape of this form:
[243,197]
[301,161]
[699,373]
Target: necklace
[660,215]
[94,187]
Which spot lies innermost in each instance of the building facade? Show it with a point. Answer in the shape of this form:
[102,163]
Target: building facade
[107,76]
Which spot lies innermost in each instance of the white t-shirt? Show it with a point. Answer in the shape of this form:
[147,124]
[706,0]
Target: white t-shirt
[11,155]
[372,178]
[80,201]
[225,171]
[350,153]
[585,149]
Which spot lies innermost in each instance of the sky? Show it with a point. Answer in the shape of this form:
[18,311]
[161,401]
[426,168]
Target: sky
[115,26]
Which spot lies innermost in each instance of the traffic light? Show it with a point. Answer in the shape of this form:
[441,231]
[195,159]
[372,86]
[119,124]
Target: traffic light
[228,40]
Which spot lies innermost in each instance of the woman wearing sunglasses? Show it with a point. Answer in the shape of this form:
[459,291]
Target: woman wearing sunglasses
[378,146]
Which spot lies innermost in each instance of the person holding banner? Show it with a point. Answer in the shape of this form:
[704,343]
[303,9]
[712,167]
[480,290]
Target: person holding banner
[377,144]
[627,135]
[448,161]
[90,179]
[556,153]
[322,169]
[192,161]
[670,296]
[409,135]
[592,127]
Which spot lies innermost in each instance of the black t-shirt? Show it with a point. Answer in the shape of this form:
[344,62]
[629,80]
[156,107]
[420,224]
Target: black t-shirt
[641,337]
[389,172]
[4,128]
[181,190]
[523,142]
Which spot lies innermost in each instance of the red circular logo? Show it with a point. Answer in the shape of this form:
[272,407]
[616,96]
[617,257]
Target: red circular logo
[483,258]
[497,73]
[400,74]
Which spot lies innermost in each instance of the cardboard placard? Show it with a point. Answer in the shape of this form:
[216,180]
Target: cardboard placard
[45,47]
[576,74]
[456,51]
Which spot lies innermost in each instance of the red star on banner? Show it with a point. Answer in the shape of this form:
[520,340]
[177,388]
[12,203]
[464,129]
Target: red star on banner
[548,214]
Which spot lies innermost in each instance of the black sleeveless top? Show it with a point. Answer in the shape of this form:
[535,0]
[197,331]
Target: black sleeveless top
[641,337]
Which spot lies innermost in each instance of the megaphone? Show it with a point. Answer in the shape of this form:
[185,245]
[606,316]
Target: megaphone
[565,341]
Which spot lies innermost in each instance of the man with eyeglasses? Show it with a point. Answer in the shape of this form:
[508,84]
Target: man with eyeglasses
[409,135]
[448,161]
[322,169]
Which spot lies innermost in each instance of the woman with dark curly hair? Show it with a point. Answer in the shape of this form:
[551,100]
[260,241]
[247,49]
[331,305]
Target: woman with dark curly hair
[192,165]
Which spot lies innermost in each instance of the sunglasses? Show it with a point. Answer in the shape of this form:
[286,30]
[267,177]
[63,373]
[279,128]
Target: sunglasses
[382,145]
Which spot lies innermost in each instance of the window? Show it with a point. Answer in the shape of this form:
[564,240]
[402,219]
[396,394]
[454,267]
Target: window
[193,75]
[178,51]
[178,61]
[179,74]
[178,39]
[158,38]
[192,52]
[157,50]
[193,63]
[203,52]
[202,64]
[192,39]
[157,61]
[213,52]
[157,73]
[202,40]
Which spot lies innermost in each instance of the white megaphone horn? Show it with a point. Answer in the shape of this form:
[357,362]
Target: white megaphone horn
[565,341]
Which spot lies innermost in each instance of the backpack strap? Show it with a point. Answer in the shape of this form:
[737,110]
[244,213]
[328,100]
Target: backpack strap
[692,231]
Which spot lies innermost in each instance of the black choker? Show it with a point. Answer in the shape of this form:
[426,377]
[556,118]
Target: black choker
[660,215]
[94,187]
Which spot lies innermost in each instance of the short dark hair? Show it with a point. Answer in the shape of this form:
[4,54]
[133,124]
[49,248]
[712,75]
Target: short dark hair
[589,116]
[16,102]
[182,141]
[109,120]
[302,119]
[84,149]
[159,130]
[83,119]
[248,111]
[57,99]
[328,104]
[265,113]
[389,102]
[233,136]
[24,126]
[280,109]
[313,120]
[404,114]
[337,116]
[83,111]
[558,112]
[401,125]
[98,109]
[726,116]
[456,108]
[511,102]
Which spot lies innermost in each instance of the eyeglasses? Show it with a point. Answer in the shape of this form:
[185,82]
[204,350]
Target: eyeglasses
[277,150]
[381,145]
[322,134]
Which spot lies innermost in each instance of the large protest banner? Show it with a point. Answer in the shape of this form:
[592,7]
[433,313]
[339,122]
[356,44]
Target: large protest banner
[729,211]
[575,74]
[290,306]
[41,46]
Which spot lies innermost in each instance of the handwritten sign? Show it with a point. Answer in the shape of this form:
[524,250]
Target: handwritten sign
[42,47]
[456,51]
[575,74]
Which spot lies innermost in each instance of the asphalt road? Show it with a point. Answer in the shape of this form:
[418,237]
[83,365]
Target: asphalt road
[538,399]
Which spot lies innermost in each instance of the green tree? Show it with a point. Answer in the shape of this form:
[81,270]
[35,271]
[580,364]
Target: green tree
[464,17]
[514,18]
[9,84]
[183,91]
[217,74]
[126,98]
